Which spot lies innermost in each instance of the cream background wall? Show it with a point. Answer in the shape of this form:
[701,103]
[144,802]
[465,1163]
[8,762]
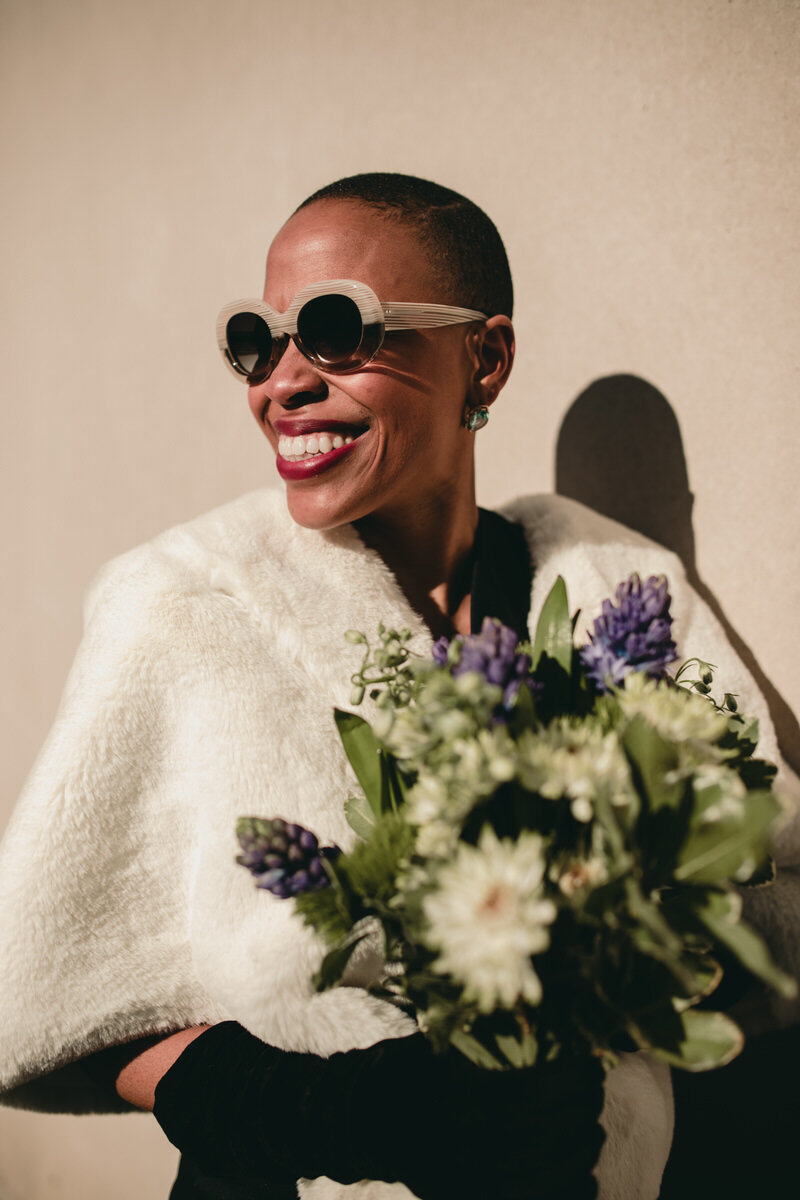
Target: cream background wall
[641,160]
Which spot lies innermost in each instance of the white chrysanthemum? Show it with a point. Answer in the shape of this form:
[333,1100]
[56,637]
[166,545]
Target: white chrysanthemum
[468,757]
[437,839]
[473,688]
[488,916]
[454,724]
[444,710]
[576,761]
[408,737]
[440,798]
[475,767]
[456,775]
[427,800]
[677,714]
[499,753]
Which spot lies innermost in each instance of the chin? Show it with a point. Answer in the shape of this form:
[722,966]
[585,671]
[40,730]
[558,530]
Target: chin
[313,512]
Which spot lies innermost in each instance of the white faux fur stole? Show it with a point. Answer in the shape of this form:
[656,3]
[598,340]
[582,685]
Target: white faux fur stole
[204,690]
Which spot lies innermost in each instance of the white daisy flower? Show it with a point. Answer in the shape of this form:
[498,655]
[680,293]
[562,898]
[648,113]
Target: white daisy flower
[488,916]
[427,800]
[437,839]
[576,761]
[676,713]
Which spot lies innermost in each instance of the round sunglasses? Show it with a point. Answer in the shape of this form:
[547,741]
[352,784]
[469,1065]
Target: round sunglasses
[338,325]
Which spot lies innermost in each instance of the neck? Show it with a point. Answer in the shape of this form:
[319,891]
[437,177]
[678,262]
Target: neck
[430,554]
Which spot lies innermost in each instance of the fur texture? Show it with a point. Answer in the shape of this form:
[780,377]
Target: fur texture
[203,690]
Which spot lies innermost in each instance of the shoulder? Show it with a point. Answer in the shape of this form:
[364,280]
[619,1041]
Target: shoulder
[556,524]
[156,614]
[162,622]
[593,553]
[176,571]
[187,556]
[249,549]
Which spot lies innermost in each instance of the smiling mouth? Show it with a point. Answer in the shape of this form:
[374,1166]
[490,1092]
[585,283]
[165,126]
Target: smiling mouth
[313,445]
[305,453]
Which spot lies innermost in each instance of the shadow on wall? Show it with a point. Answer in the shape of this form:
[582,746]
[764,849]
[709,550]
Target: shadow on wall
[620,452]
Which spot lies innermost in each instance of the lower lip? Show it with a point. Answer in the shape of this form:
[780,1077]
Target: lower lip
[315,465]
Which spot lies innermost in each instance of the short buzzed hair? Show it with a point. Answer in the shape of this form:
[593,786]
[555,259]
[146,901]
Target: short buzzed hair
[465,249]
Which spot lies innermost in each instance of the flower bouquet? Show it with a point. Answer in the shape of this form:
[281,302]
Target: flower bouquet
[551,839]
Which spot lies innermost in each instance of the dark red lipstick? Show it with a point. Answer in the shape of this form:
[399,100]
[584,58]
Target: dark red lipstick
[315,464]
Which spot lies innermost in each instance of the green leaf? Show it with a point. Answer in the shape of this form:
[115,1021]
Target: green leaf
[664,815]
[745,731]
[716,851]
[652,935]
[335,961]
[706,1040]
[554,629]
[764,874]
[610,821]
[360,816]
[644,982]
[653,758]
[521,1051]
[397,787]
[364,753]
[475,1051]
[393,787]
[756,773]
[555,697]
[523,711]
[707,976]
[719,912]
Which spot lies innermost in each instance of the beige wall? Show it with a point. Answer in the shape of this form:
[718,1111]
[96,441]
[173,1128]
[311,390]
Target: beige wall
[640,158]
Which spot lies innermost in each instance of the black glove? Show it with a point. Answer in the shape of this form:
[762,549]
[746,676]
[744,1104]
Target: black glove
[395,1111]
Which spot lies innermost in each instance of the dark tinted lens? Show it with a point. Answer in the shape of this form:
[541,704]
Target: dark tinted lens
[329,328]
[249,343]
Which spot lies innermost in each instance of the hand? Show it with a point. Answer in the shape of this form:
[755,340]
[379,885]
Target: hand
[395,1111]
[454,1129]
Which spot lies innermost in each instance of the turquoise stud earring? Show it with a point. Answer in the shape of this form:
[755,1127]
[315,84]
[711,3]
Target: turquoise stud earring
[476,418]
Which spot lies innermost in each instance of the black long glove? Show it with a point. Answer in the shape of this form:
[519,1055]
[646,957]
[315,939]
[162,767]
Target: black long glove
[243,1109]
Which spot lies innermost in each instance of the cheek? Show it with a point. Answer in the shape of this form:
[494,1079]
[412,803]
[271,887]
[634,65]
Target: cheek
[256,401]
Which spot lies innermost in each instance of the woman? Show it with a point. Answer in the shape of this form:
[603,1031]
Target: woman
[204,689]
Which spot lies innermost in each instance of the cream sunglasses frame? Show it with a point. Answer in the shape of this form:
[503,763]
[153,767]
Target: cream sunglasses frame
[377,317]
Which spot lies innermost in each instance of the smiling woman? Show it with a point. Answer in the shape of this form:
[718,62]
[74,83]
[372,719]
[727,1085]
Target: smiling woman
[212,660]
[411,456]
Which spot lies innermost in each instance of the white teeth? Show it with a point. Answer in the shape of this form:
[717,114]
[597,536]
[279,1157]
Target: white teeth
[298,448]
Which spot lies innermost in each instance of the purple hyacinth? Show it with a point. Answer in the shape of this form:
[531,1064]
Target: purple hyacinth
[635,634]
[283,858]
[492,653]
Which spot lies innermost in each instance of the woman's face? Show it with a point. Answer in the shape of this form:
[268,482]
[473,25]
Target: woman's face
[403,409]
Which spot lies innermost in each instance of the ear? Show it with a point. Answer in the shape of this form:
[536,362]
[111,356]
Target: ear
[493,358]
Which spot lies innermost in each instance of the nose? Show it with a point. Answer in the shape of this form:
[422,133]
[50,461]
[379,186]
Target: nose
[294,381]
